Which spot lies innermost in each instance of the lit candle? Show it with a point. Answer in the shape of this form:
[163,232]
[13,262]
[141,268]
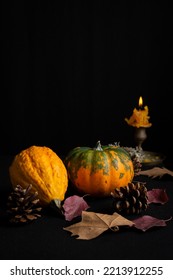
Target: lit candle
[140,103]
[140,117]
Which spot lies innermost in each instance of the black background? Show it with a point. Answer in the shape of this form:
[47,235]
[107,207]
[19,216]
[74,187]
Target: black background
[73,70]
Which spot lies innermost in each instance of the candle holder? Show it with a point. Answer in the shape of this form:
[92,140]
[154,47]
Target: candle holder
[149,158]
[140,121]
[140,136]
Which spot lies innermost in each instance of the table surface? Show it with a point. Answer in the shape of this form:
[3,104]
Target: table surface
[45,238]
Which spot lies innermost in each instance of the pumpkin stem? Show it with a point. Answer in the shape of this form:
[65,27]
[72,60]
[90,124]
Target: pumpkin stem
[55,204]
[98,146]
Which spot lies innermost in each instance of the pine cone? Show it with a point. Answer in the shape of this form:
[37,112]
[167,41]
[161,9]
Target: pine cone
[136,155]
[131,199]
[22,205]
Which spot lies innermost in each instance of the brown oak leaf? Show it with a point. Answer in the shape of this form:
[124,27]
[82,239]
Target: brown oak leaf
[93,224]
[146,222]
[157,196]
[155,172]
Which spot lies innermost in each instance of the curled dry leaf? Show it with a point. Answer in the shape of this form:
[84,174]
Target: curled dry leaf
[146,222]
[73,207]
[157,196]
[93,224]
[155,172]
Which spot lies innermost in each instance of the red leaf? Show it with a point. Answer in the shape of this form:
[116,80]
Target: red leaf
[73,207]
[145,222]
[157,196]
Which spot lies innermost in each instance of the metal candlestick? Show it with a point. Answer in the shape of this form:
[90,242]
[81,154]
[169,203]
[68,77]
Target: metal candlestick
[140,136]
[148,158]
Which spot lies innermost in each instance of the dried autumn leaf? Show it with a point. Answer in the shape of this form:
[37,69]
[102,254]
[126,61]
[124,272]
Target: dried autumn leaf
[155,172]
[73,207]
[93,224]
[146,222]
[157,196]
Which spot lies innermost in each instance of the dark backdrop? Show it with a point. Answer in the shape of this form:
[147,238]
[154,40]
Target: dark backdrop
[73,70]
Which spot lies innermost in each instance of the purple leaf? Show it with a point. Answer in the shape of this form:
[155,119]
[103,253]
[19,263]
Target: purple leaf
[145,222]
[157,196]
[73,207]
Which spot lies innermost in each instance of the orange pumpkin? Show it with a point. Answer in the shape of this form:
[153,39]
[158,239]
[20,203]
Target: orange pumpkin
[97,171]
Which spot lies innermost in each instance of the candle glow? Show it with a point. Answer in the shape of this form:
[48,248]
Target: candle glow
[139,118]
[140,102]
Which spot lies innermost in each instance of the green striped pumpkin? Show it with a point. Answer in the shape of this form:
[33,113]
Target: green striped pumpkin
[98,171]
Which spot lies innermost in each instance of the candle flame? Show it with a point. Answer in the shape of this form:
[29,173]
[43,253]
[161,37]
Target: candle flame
[140,101]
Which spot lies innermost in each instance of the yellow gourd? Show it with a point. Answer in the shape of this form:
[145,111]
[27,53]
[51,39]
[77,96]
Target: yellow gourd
[44,170]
